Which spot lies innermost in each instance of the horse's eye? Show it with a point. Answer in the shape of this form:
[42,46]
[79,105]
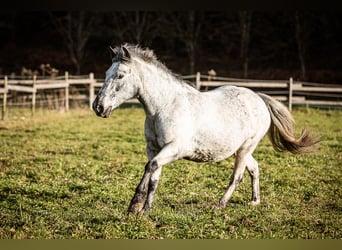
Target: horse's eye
[120,76]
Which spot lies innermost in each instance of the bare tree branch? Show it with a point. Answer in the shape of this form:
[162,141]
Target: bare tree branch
[75,29]
[187,27]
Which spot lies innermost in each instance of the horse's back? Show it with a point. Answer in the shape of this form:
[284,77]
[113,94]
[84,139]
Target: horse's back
[227,117]
[240,102]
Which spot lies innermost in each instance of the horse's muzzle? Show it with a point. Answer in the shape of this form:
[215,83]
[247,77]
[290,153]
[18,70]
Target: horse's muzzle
[100,110]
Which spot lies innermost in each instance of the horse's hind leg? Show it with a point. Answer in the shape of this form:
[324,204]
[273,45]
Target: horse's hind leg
[244,159]
[235,179]
[253,169]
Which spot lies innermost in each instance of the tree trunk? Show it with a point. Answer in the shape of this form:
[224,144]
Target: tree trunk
[75,31]
[245,23]
[191,42]
[191,52]
[191,35]
[300,46]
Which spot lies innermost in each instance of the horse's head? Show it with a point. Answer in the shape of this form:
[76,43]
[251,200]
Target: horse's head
[119,84]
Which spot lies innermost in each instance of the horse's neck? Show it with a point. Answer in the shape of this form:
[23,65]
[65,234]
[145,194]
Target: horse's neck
[159,90]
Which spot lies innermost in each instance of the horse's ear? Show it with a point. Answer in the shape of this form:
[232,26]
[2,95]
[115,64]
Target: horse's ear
[114,53]
[124,54]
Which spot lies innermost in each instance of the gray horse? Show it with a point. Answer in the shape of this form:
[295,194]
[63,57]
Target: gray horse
[184,123]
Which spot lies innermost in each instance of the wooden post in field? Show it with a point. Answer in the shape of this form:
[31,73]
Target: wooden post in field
[198,80]
[290,93]
[91,89]
[34,95]
[4,101]
[67,91]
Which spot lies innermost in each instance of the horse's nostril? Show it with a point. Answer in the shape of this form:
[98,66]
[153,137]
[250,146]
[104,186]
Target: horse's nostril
[99,109]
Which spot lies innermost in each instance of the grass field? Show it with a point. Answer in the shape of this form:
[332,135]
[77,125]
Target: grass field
[72,175]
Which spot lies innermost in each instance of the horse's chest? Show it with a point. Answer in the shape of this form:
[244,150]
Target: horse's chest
[159,132]
[169,129]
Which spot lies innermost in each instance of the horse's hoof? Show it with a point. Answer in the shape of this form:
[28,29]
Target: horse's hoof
[254,203]
[146,209]
[136,208]
[222,204]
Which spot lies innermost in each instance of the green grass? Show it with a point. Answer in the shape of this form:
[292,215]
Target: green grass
[72,175]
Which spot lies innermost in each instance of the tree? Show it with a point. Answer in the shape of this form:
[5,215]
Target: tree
[136,27]
[75,29]
[300,44]
[245,27]
[186,26]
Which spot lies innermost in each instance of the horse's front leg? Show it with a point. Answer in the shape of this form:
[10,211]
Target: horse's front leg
[149,182]
[138,200]
[152,187]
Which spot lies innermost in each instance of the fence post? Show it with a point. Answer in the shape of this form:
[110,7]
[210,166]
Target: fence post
[91,89]
[4,102]
[290,93]
[198,80]
[67,91]
[34,95]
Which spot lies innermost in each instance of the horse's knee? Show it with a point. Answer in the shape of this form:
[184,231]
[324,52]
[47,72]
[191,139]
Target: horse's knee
[151,166]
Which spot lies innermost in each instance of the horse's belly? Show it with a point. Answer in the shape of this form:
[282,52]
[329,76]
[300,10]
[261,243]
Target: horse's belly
[208,156]
[211,152]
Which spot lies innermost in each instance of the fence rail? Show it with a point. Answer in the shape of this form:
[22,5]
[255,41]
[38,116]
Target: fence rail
[288,91]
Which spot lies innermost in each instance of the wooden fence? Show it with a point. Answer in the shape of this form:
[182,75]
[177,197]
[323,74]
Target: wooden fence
[288,91]
[33,85]
[3,93]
